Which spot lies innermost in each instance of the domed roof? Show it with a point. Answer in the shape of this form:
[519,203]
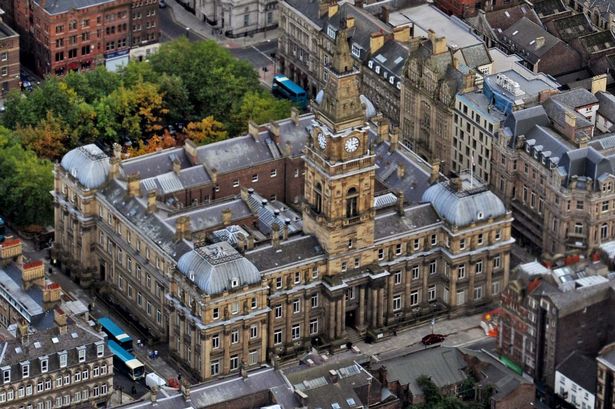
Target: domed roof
[88,164]
[464,207]
[218,267]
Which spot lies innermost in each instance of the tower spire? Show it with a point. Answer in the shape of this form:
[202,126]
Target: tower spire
[341,106]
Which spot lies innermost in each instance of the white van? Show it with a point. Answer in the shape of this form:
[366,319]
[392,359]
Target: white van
[154,381]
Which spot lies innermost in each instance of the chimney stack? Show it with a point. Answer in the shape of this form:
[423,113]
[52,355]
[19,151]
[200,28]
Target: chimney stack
[598,83]
[250,242]
[285,230]
[191,151]
[394,139]
[24,332]
[274,128]
[540,42]
[376,41]
[133,185]
[227,216]
[185,388]
[333,9]
[294,115]
[182,228]
[152,204]
[349,22]
[59,318]
[241,242]
[253,130]
[115,161]
[402,34]
[435,171]
[384,14]
[275,235]
[177,166]
[333,375]
[401,171]
[400,203]
[457,184]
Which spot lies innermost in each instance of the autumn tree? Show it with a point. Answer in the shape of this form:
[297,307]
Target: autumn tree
[48,140]
[206,131]
[154,144]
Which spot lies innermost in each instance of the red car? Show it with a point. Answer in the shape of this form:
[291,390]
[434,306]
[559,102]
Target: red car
[433,339]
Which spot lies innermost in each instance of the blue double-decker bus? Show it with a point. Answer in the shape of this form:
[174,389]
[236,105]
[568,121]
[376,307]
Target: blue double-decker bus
[115,333]
[126,362]
[283,87]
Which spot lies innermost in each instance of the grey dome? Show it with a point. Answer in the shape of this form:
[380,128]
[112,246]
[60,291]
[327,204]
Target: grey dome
[370,109]
[465,207]
[88,164]
[218,267]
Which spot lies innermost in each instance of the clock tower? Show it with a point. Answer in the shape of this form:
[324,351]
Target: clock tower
[340,167]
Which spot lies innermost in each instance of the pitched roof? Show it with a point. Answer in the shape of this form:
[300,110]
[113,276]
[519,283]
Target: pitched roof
[62,6]
[504,18]
[581,369]
[526,35]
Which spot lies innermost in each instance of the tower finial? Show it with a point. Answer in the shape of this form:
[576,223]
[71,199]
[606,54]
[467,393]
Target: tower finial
[342,60]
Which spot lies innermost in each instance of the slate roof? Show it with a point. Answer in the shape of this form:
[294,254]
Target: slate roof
[214,267]
[415,217]
[392,56]
[571,27]
[444,365]
[415,179]
[504,18]
[547,8]
[581,369]
[238,153]
[291,251]
[62,6]
[597,42]
[153,165]
[524,34]
[50,343]
[607,105]
[575,98]
[218,392]
[30,300]
[209,216]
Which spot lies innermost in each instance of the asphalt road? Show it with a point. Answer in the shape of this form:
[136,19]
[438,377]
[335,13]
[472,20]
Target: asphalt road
[259,55]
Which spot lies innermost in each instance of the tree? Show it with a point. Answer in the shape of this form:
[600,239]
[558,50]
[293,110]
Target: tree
[206,131]
[260,107]
[48,140]
[93,85]
[215,80]
[155,143]
[25,183]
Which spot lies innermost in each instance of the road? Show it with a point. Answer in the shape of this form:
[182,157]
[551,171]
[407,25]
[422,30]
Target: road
[258,55]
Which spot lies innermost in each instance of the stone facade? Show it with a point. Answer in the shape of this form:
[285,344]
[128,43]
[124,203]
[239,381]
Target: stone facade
[238,18]
[431,80]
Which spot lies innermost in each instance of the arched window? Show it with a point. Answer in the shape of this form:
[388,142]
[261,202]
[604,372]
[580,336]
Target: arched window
[318,198]
[352,198]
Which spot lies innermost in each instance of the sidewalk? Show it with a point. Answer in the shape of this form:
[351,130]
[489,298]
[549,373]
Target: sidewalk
[184,18]
[459,331]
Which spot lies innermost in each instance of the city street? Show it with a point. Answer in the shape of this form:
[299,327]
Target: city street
[259,50]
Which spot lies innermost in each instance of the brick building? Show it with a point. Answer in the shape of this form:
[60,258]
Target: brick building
[9,59]
[59,37]
[547,313]
[260,245]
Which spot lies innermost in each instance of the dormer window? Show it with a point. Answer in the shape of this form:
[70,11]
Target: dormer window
[331,32]
[377,69]
[100,349]
[25,369]
[63,359]
[234,282]
[6,374]
[391,80]
[44,363]
[370,64]
[480,215]
[356,51]
[81,352]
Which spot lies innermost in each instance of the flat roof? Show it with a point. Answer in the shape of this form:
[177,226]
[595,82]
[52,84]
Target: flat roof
[426,17]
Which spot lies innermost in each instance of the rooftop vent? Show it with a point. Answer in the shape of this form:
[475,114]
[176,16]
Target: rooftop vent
[37,345]
[55,340]
[74,335]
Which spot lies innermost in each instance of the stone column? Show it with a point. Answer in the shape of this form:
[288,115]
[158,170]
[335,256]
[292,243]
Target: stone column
[338,318]
[506,266]
[381,306]
[453,290]
[263,354]
[360,318]
[343,317]
[226,342]
[206,356]
[374,307]
[407,289]
[289,321]
[307,303]
[472,279]
[389,309]
[270,329]
[489,275]
[331,312]
[245,341]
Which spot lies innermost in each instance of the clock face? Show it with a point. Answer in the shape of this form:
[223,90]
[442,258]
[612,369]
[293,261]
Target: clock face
[351,145]
[322,140]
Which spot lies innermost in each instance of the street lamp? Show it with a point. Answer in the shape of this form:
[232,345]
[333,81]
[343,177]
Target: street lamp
[188,33]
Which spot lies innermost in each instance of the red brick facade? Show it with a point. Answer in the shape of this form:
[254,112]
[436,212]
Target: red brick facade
[9,59]
[81,39]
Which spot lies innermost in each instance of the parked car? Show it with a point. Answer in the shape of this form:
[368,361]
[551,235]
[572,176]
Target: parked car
[433,339]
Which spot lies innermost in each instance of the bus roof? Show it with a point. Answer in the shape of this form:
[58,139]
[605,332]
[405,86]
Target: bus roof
[284,80]
[134,364]
[110,326]
[120,352]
